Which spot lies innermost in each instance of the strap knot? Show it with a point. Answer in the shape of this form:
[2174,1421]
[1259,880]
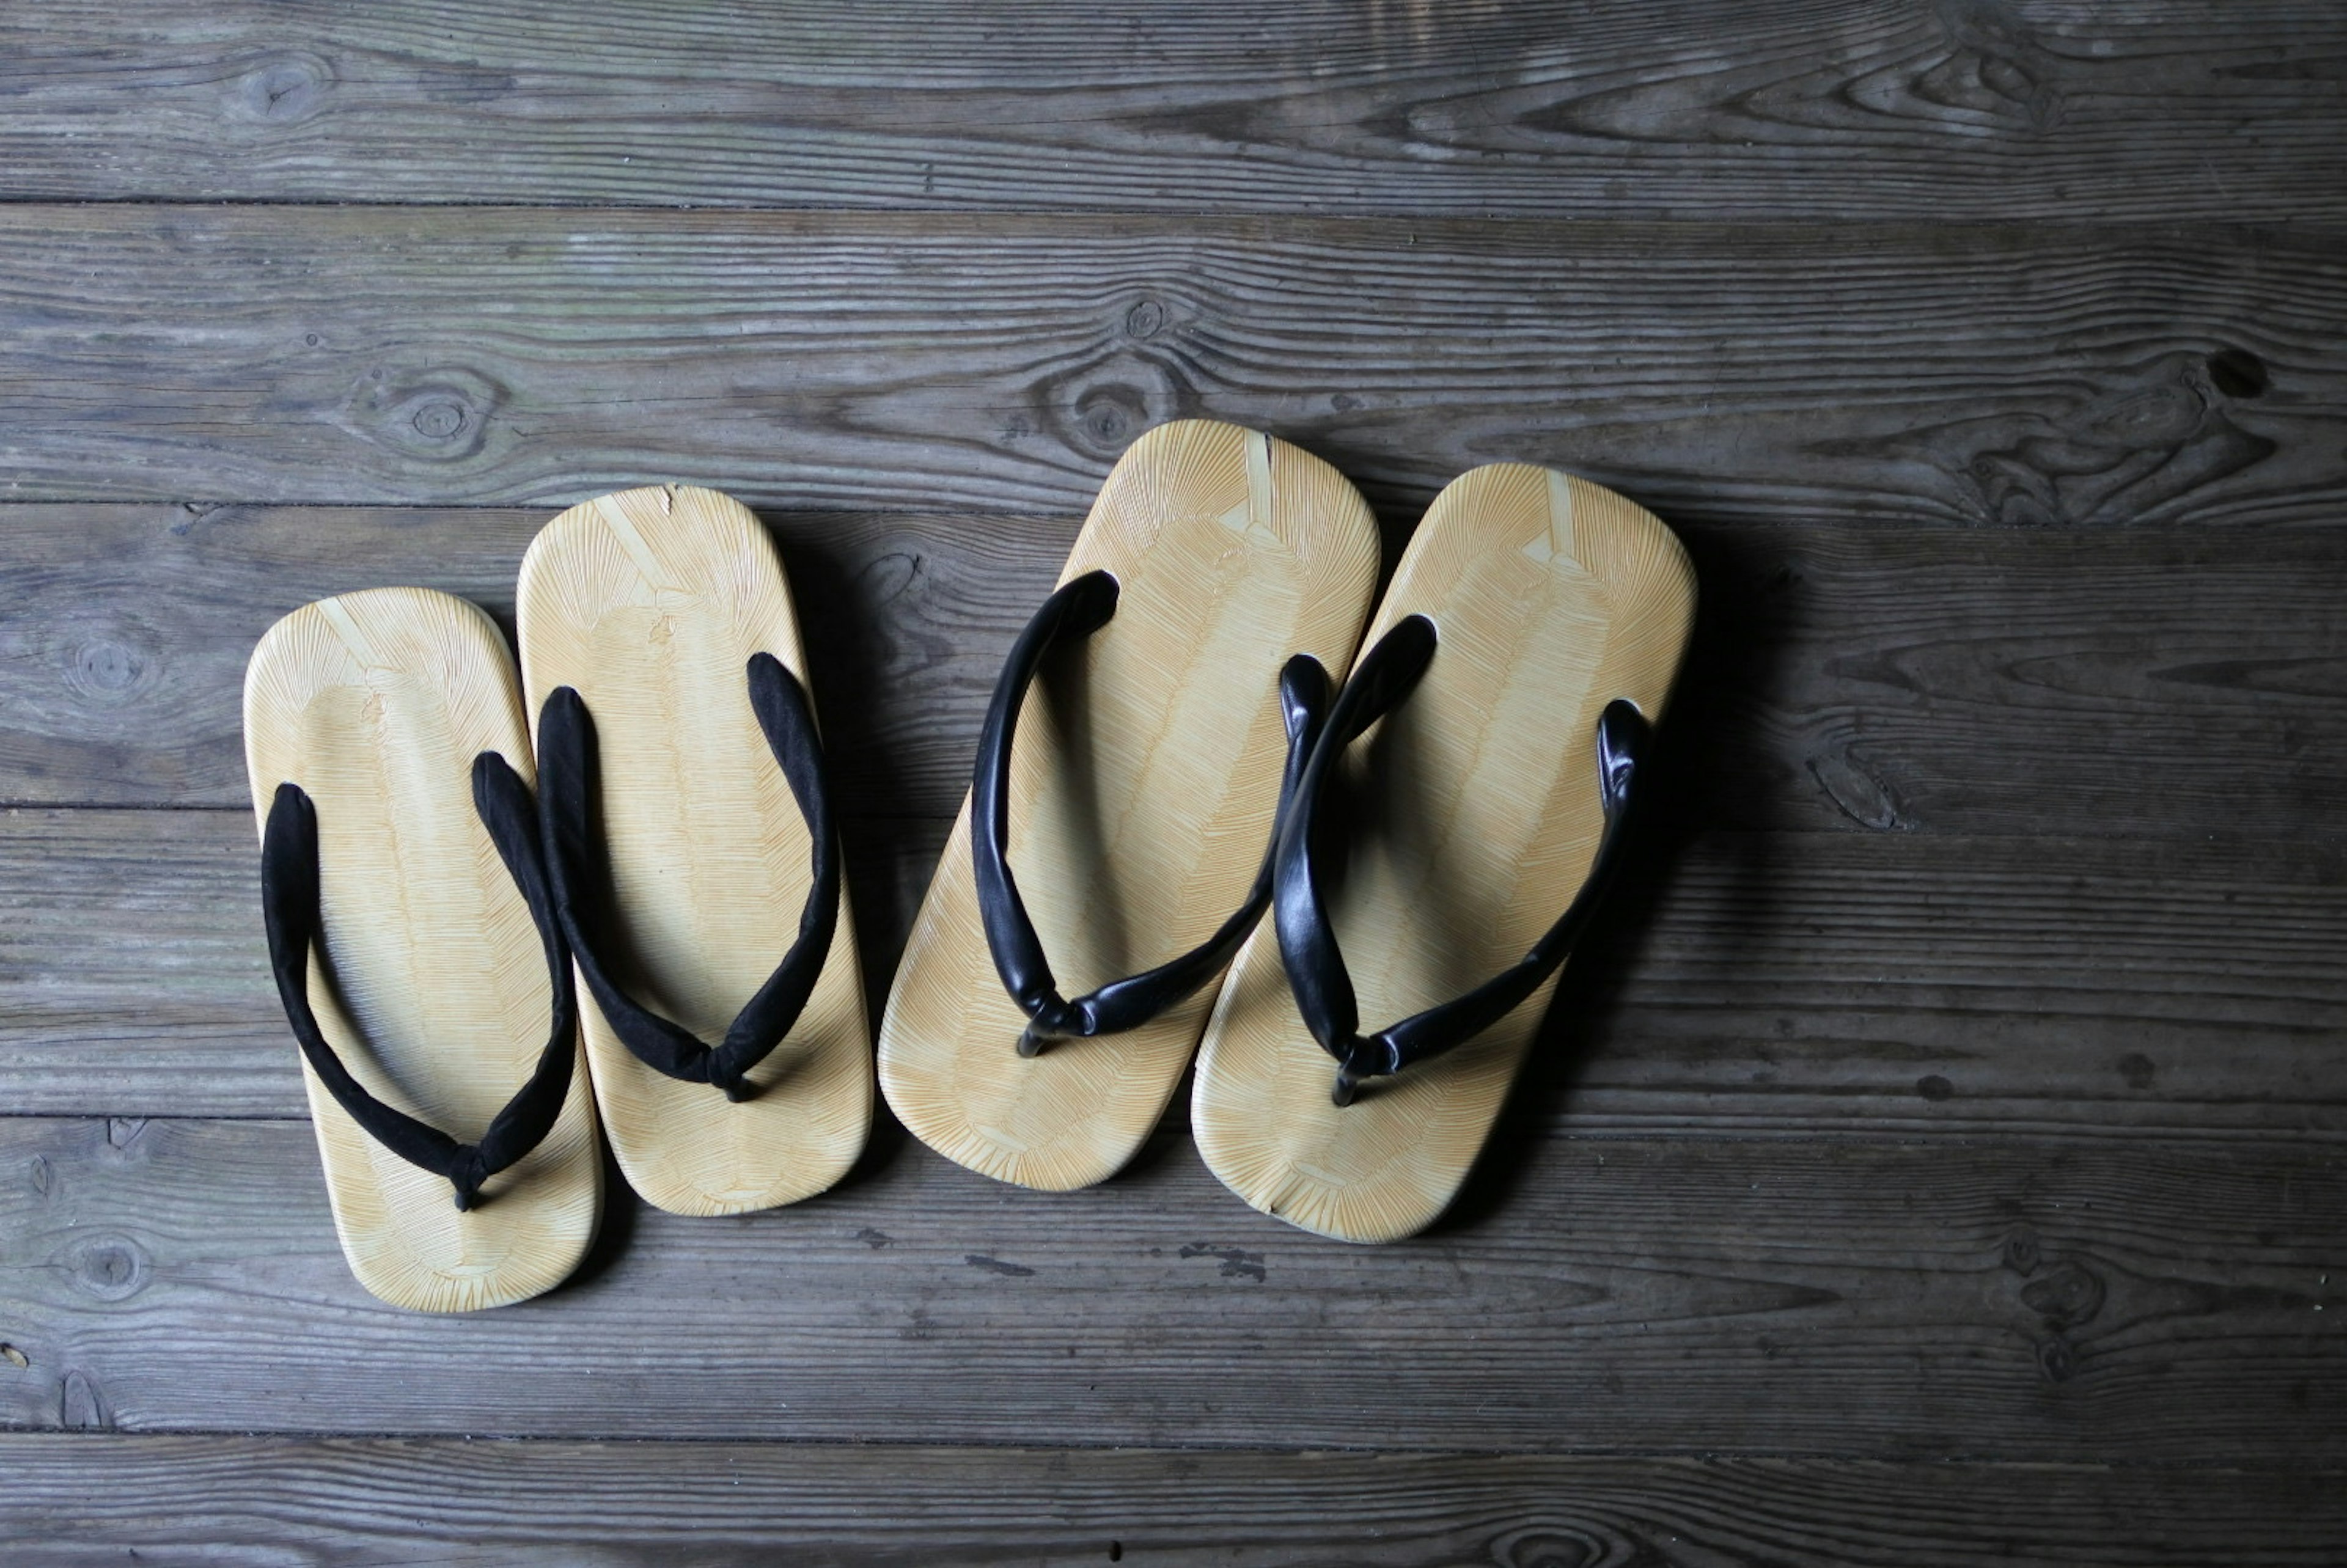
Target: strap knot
[578,861]
[1055,1017]
[466,1176]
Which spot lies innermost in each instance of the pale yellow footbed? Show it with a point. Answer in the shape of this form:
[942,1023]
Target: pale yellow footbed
[650,603]
[1143,780]
[1551,597]
[432,985]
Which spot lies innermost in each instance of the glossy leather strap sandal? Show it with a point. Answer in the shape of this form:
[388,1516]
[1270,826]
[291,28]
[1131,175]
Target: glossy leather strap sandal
[690,835]
[1042,1018]
[1071,614]
[1316,972]
[1491,734]
[417,955]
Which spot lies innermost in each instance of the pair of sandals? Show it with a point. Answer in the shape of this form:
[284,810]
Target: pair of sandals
[433,881]
[1162,763]
[1188,763]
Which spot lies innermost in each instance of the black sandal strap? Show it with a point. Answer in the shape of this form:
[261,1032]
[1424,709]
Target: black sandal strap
[581,872]
[1076,611]
[289,907]
[1307,943]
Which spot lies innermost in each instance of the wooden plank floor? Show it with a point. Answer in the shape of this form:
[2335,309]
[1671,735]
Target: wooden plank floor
[1939,1156]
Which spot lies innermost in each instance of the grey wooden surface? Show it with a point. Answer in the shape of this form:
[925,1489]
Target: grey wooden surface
[559,1504]
[1941,1156]
[2035,376]
[564,1503]
[1945,109]
[2112,1298]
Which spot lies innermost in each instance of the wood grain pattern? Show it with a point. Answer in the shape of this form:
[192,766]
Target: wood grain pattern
[430,981]
[1710,372]
[1908,984]
[2143,1300]
[259,1500]
[1962,111]
[1143,786]
[120,658]
[650,604]
[1551,598]
[1860,676]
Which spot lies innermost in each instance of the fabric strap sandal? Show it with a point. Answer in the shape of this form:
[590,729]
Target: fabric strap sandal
[413,934]
[1041,1020]
[690,840]
[1523,652]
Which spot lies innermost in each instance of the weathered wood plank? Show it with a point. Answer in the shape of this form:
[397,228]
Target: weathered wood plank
[2155,679]
[2037,109]
[2143,1300]
[947,363]
[259,1500]
[122,655]
[1744,982]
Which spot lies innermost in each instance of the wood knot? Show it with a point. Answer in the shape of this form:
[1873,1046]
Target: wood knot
[442,419]
[1145,320]
[2146,441]
[1858,790]
[1100,407]
[109,1267]
[2067,1295]
[110,666]
[441,415]
[1998,67]
[1112,415]
[280,88]
[1551,1547]
[2238,372]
